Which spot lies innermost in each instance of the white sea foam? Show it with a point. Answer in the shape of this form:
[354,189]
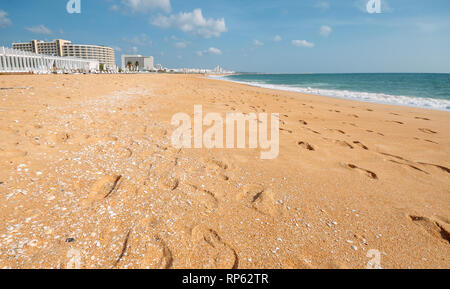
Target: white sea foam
[430,103]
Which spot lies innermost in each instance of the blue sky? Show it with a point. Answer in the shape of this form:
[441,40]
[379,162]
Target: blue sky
[292,36]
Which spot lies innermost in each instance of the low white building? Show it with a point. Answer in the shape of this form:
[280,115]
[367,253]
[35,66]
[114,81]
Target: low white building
[137,63]
[18,61]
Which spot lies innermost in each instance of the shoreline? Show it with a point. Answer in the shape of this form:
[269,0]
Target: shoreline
[301,90]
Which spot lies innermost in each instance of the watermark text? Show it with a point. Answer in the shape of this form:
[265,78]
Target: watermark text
[374,6]
[73,6]
[235,127]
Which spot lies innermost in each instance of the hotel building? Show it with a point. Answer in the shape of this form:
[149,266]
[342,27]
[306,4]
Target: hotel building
[64,48]
[137,63]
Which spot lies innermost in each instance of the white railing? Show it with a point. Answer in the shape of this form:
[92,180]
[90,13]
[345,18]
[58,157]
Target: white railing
[18,61]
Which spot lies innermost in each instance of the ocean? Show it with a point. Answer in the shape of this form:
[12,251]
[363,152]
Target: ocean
[408,89]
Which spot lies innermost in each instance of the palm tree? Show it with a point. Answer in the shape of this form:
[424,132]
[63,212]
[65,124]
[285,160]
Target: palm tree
[129,64]
[137,65]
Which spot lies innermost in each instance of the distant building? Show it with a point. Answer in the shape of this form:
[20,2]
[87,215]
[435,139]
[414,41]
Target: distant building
[218,70]
[65,48]
[105,55]
[137,63]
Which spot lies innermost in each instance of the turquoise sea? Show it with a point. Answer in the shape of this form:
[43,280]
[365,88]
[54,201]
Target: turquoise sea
[424,90]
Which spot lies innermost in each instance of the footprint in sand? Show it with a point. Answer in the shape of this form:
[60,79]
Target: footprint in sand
[144,249]
[102,188]
[368,173]
[218,168]
[394,156]
[123,152]
[213,162]
[286,130]
[150,252]
[430,141]
[408,162]
[340,143]
[421,118]
[371,131]
[259,199]
[157,255]
[126,190]
[168,182]
[305,145]
[204,197]
[338,131]
[313,131]
[442,168]
[303,122]
[394,121]
[436,228]
[427,130]
[408,165]
[210,252]
[360,145]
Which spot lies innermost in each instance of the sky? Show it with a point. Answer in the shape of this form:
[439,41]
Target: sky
[282,36]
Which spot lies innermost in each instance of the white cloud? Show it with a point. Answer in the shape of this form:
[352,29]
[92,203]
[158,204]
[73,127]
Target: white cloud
[211,50]
[145,5]
[302,43]
[257,43]
[41,29]
[277,38]
[325,30]
[181,45]
[215,51]
[322,5]
[192,22]
[4,20]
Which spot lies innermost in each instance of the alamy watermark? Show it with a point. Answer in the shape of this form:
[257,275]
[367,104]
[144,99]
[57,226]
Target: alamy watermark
[373,6]
[74,256]
[375,261]
[73,6]
[213,137]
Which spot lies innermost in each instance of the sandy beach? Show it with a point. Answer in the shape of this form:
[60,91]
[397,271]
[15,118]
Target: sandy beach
[89,179]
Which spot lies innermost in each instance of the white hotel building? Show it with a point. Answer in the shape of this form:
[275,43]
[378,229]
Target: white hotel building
[137,63]
[18,61]
[64,48]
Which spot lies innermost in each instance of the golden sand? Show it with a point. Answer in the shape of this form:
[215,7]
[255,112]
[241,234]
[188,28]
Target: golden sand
[89,179]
